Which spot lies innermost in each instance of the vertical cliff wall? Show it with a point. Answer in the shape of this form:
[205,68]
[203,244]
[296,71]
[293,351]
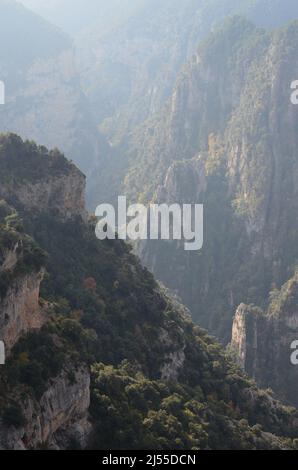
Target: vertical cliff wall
[262,341]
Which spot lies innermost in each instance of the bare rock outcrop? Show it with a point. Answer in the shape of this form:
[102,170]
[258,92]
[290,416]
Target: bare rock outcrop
[58,419]
[34,184]
[262,341]
[20,311]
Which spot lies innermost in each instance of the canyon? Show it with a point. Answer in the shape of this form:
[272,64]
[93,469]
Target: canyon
[77,320]
[201,111]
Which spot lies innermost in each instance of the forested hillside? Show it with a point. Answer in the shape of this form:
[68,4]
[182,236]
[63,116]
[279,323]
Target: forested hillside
[107,360]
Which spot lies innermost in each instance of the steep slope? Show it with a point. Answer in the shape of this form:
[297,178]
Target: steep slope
[131,72]
[21,273]
[43,96]
[263,341]
[157,381]
[227,139]
[126,62]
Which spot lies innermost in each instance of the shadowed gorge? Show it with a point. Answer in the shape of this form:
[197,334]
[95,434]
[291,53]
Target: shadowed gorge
[97,308]
[183,107]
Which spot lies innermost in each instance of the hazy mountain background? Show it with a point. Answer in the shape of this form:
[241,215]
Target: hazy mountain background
[127,59]
[44,96]
[168,101]
[74,16]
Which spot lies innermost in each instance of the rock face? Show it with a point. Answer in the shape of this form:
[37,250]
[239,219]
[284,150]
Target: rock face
[58,419]
[9,258]
[238,116]
[63,195]
[65,403]
[130,72]
[185,181]
[57,186]
[139,60]
[262,341]
[19,310]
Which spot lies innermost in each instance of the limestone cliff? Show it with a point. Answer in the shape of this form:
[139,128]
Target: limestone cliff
[37,185]
[20,279]
[129,72]
[56,186]
[262,341]
[237,115]
[20,311]
[63,195]
[58,419]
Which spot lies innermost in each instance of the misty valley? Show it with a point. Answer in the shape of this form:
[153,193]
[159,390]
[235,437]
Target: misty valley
[148,228]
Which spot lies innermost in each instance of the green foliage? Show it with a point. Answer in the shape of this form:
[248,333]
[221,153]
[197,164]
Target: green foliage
[132,411]
[30,169]
[105,311]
